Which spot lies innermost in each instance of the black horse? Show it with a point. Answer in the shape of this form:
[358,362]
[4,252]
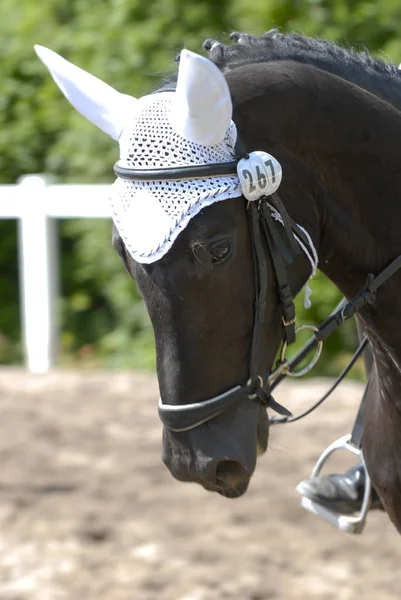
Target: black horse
[332,118]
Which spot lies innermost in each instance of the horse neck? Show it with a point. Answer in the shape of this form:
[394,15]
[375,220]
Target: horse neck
[347,142]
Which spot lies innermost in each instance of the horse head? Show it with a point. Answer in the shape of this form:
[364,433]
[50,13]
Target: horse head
[194,247]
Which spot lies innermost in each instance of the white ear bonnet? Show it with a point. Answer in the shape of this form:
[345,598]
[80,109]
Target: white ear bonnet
[191,126]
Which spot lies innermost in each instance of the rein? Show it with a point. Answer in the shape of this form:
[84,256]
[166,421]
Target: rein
[344,311]
[282,247]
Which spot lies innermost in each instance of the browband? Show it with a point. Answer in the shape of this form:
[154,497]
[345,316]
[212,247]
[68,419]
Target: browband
[177,173]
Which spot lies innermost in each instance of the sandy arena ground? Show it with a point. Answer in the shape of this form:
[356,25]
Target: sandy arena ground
[88,511]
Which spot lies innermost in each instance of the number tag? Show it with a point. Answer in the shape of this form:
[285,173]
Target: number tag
[260,175]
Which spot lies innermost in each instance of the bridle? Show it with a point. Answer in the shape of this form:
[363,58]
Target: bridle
[265,232]
[282,248]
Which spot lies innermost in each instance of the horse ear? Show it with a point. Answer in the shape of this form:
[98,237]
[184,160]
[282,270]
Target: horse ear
[202,108]
[95,100]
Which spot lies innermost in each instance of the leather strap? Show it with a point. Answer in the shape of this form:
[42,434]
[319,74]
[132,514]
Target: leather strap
[283,287]
[177,173]
[366,296]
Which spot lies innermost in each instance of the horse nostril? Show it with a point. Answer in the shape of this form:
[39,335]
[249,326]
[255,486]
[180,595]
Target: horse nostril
[230,473]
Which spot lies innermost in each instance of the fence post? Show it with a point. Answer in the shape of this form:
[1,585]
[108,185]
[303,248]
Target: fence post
[38,275]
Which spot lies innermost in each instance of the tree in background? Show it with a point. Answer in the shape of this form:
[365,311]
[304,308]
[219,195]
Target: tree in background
[130,44]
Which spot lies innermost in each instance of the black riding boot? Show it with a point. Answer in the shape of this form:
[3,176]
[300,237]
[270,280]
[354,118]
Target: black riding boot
[341,493]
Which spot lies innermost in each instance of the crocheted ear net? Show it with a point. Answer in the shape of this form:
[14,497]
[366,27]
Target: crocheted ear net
[150,215]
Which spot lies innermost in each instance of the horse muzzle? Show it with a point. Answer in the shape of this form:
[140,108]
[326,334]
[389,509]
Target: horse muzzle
[221,454]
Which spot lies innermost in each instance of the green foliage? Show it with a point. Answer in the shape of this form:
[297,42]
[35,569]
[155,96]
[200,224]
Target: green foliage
[101,308]
[130,44]
[357,23]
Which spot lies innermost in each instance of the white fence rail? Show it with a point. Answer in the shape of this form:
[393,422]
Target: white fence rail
[36,205]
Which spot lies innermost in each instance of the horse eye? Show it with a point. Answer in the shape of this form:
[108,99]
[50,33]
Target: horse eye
[219,251]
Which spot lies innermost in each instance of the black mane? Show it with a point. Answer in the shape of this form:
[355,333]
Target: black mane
[377,76]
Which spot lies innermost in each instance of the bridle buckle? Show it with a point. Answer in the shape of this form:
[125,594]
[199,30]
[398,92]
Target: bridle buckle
[288,323]
[283,364]
[282,368]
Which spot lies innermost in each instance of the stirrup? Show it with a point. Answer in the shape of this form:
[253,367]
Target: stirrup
[348,523]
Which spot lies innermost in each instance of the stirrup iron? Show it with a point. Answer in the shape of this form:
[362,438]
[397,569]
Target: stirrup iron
[347,523]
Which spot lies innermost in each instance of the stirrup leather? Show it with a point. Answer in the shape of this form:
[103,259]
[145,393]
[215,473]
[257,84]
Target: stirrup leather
[347,523]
